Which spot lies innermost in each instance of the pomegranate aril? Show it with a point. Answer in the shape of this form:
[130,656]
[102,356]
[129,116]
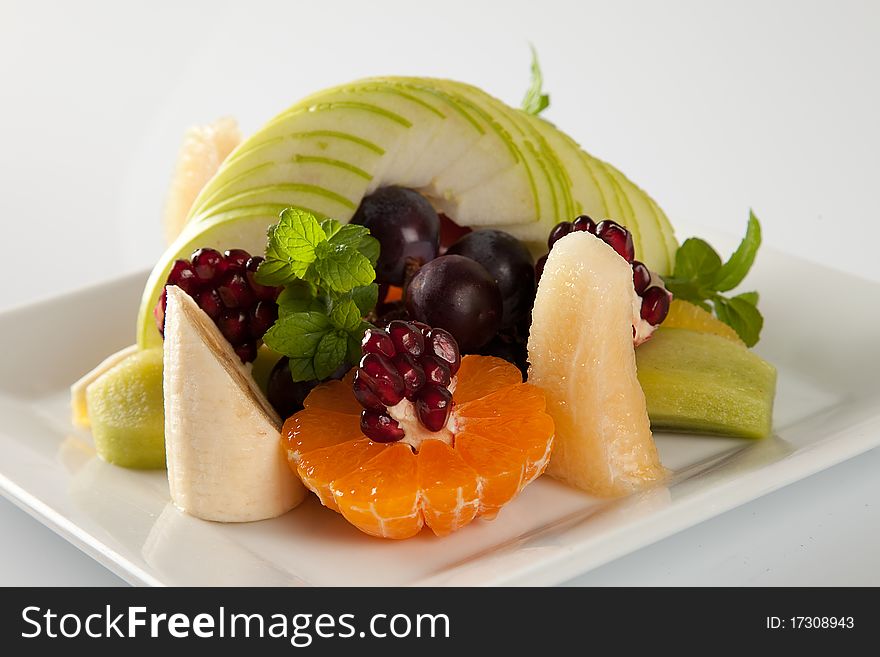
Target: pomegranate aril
[424,328]
[377,341]
[433,405]
[641,277]
[539,268]
[235,291]
[233,324]
[262,292]
[208,264]
[159,312]
[617,237]
[247,351]
[209,301]
[443,346]
[380,427]
[406,338]
[365,396]
[559,231]
[381,376]
[584,224]
[263,316]
[655,305]
[236,259]
[411,372]
[436,371]
[184,276]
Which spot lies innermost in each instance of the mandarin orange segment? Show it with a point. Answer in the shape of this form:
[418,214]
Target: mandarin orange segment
[479,376]
[509,402]
[319,468]
[381,497]
[499,467]
[449,488]
[531,435]
[311,429]
[333,396]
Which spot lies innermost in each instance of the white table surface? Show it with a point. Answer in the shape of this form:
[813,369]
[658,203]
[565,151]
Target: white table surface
[712,107]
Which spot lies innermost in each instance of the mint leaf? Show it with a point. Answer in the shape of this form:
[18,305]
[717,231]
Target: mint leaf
[535,101]
[696,260]
[299,297]
[342,268]
[749,297]
[735,269]
[365,297]
[345,315]
[742,315]
[359,238]
[331,227]
[302,369]
[330,353]
[297,335]
[292,247]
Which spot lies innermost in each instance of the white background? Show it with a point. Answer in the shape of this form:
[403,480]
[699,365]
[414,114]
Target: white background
[712,107]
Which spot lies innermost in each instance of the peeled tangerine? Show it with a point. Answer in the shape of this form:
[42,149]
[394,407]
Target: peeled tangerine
[581,354]
[500,441]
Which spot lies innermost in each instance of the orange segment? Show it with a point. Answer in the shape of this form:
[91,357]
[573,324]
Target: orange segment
[449,488]
[319,468]
[532,436]
[381,497]
[510,401]
[479,376]
[499,467]
[333,396]
[311,429]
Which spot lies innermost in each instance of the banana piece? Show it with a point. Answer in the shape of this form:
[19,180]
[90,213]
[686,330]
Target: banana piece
[202,152]
[222,440]
[79,411]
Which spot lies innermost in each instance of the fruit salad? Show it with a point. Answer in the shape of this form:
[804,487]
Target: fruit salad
[412,300]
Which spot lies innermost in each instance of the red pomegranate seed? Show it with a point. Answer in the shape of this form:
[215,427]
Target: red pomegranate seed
[235,291]
[584,224]
[412,374]
[236,259]
[433,405]
[436,371]
[210,302]
[382,378]
[377,341]
[365,396]
[617,237]
[559,231]
[655,305]
[406,338]
[380,428]
[159,312]
[208,264]
[262,292]
[263,315]
[247,351]
[184,276]
[441,344]
[233,324]
[641,277]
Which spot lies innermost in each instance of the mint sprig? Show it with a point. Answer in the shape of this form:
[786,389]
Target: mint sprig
[700,277]
[327,271]
[535,100]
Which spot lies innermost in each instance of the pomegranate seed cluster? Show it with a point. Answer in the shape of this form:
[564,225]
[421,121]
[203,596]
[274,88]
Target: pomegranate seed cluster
[224,286]
[407,360]
[655,298]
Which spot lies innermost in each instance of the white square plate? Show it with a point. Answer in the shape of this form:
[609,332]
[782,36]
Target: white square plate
[821,332]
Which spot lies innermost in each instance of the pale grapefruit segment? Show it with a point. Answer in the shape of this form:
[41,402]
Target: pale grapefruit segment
[450,495]
[381,497]
[581,354]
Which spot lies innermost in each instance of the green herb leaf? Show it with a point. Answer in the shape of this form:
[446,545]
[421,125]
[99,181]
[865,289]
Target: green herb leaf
[292,247]
[297,335]
[359,238]
[342,268]
[741,314]
[700,278]
[735,269]
[330,353]
[331,227]
[535,101]
[345,315]
[365,297]
[299,297]
[302,369]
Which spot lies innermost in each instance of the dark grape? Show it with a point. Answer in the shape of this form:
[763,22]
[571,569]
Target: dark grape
[509,262]
[407,227]
[285,394]
[457,294]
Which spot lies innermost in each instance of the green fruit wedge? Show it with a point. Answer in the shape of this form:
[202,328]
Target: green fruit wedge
[476,159]
[125,407]
[704,383]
